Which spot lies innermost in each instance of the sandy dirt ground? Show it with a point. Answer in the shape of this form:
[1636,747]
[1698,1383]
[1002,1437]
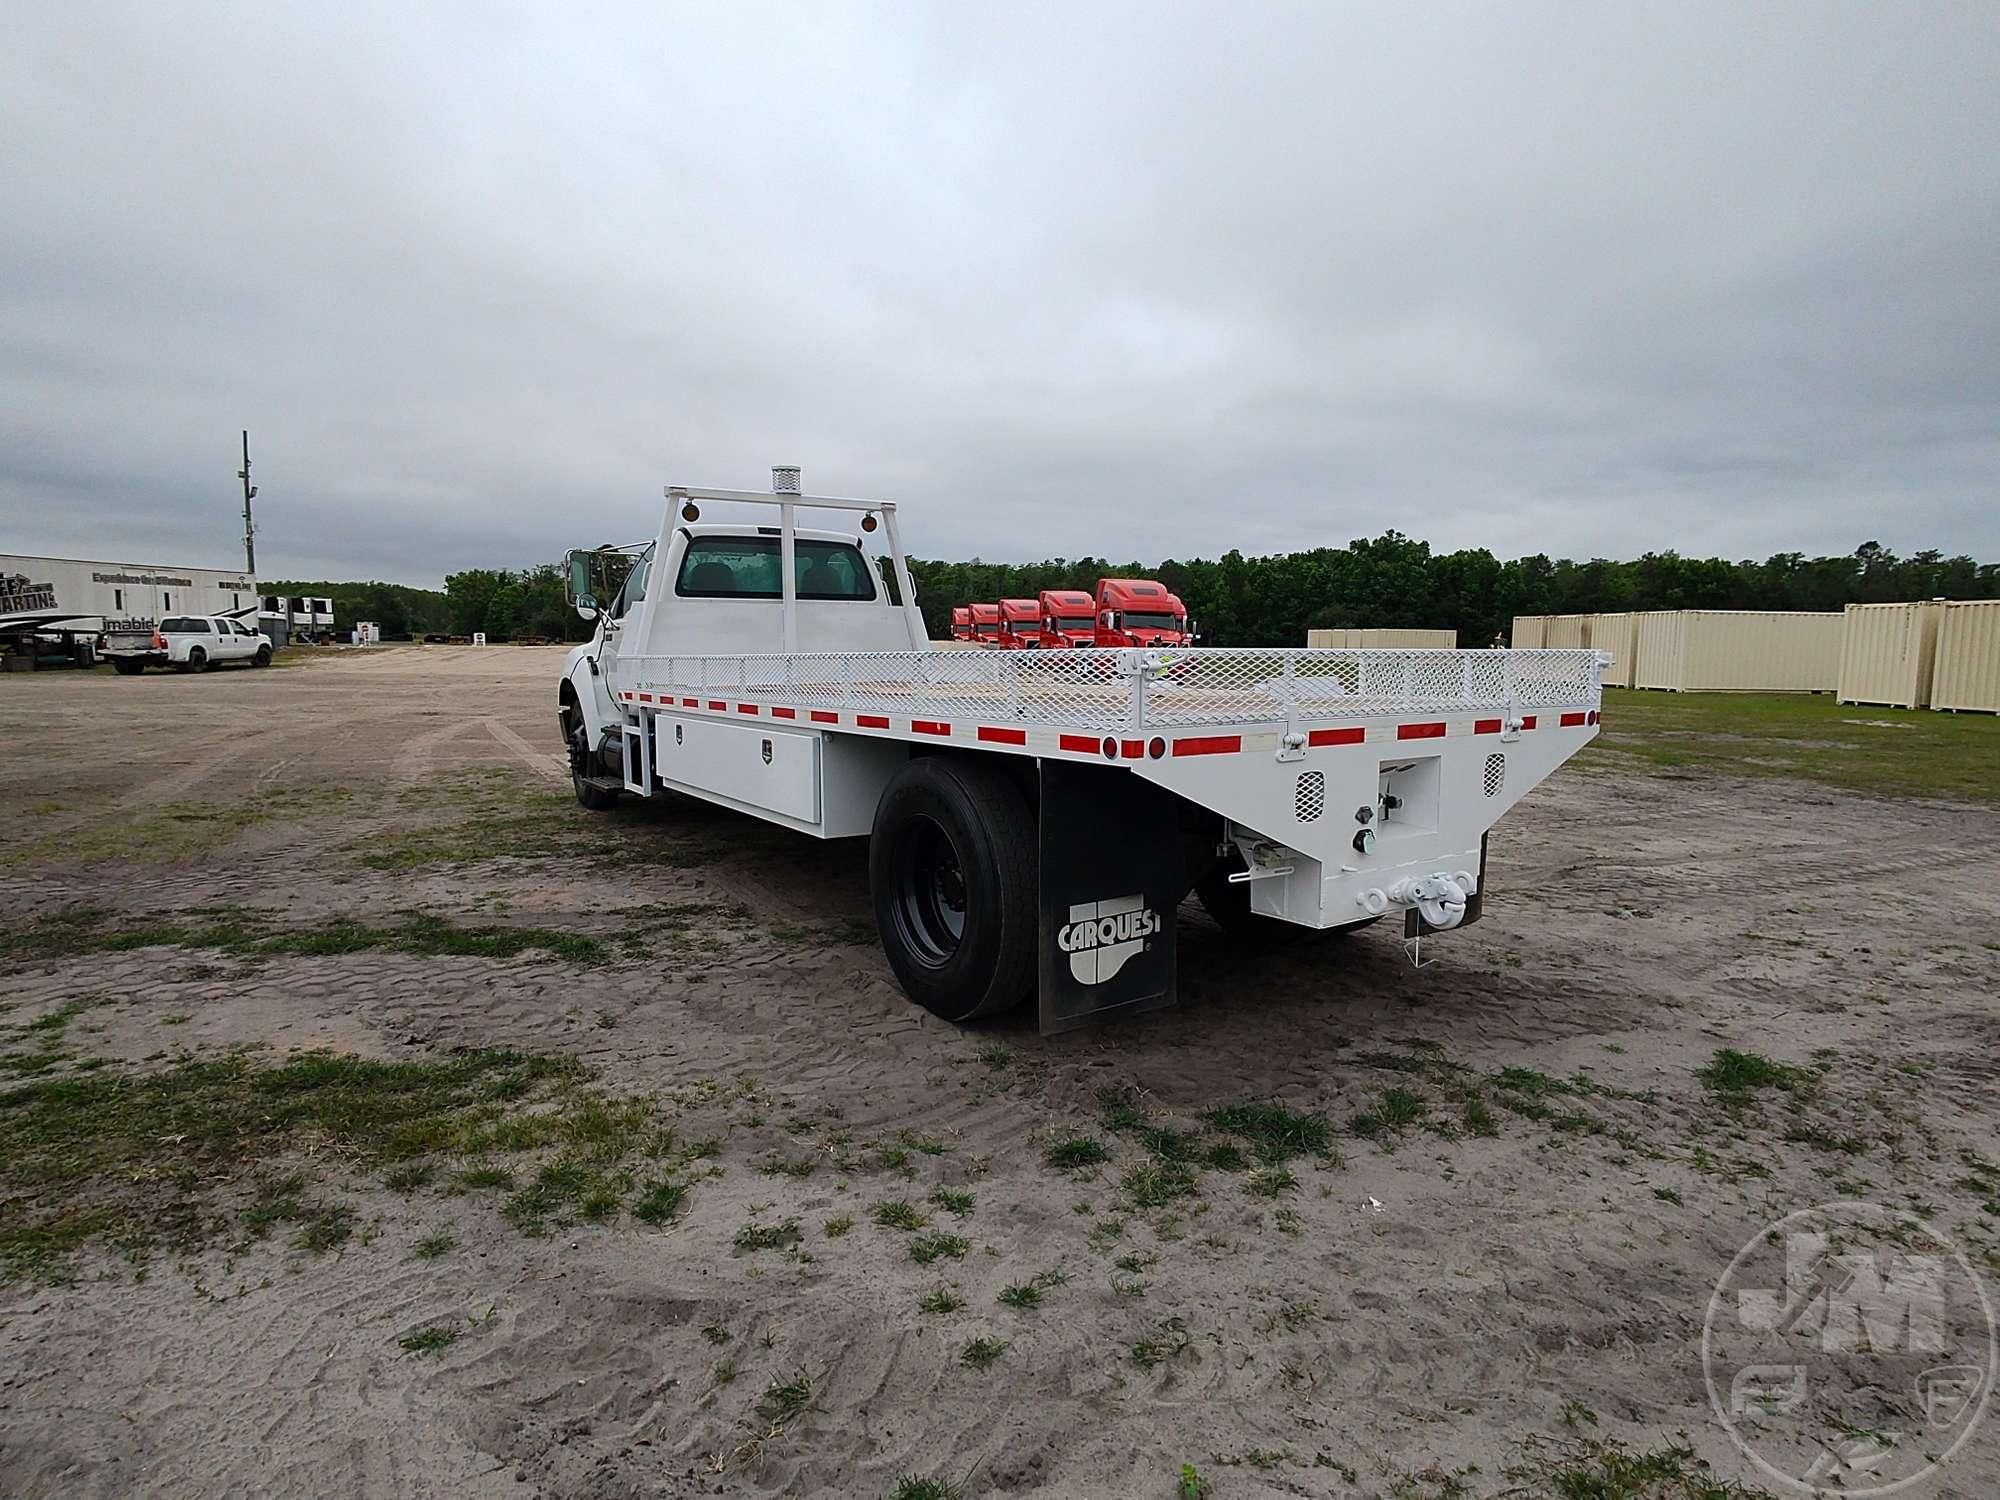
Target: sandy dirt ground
[1488,1264]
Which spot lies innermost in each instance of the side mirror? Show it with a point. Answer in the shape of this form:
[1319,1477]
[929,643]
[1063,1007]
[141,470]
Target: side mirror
[578,584]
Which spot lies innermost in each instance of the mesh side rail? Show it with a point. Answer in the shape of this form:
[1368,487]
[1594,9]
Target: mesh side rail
[1113,690]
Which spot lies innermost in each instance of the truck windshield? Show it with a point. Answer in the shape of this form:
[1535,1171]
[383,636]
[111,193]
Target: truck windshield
[1137,620]
[1075,622]
[746,567]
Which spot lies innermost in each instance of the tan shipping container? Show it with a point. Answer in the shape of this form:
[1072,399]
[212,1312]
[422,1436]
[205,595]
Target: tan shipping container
[1530,632]
[1382,640]
[1566,632]
[1619,635]
[1967,674]
[1739,651]
[1886,654]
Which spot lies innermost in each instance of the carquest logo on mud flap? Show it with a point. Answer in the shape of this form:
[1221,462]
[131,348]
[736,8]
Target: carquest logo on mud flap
[1101,935]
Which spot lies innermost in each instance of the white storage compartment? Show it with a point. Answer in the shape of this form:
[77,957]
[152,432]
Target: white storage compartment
[753,765]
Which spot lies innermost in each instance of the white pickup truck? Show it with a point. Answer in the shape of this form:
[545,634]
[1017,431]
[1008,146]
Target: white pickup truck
[189,643]
[1035,818]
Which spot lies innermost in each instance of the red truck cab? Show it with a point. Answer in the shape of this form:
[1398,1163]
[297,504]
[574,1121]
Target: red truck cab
[1138,612]
[1020,624]
[961,623]
[1068,618]
[985,624]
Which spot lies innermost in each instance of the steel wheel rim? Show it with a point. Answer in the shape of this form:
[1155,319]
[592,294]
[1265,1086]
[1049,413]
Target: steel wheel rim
[929,896]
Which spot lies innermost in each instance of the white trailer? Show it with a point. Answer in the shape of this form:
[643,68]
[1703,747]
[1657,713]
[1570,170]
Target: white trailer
[1036,817]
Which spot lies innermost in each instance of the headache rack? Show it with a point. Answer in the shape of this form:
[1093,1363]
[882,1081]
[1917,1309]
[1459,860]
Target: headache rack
[1135,689]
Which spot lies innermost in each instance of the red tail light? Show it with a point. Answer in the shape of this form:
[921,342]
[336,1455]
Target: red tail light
[159,641]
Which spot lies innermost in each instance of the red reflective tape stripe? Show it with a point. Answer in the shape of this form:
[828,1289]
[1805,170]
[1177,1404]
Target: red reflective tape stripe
[1132,749]
[1528,722]
[1570,721]
[690,703]
[784,713]
[871,721]
[1336,736]
[1083,744]
[1004,736]
[1420,731]
[1487,726]
[821,716]
[645,697]
[1213,744]
[717,706]
[929,726]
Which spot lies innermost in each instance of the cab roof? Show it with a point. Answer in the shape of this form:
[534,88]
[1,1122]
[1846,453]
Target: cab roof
[1067,596]
[1136,592]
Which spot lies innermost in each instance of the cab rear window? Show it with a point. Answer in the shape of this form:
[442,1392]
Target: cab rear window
[186,625]
[746,567]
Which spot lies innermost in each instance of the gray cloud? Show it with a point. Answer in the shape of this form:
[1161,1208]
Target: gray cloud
[1117,279]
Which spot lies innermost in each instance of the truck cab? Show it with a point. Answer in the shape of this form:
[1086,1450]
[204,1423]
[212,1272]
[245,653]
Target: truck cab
[1020,624]
[1138,612]
[717,588]
[985,623]
[961,623]
[1068,618]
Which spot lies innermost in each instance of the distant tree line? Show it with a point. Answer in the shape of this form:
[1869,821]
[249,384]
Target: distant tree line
[1393,581]
[1390,580]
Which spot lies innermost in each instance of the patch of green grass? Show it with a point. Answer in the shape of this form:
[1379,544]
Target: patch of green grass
[837,1225]
[1169,1144]
[660,1201]
[408,1176]
[940,1300]
[324,1227]
[1735,1076]
[953,1200]
[1156,1184]
[753,1236]
[897,1214]
[784,1400]
[1118,1109]
[910,1487]
[1478,1117]
[716,1334]
[982,1352]
[1224,1156]
[926,1248]
[435,1246]
[797,1167]
[996,1056]
[1071,1152]
[254,934]
[1025,1295]
[1276,1132]
[1272,1182]
[1398,1110]
[1585,1468]
[485,1177]
[1191,1486]
[1668,1195]
[1885,751]
[429,1340]
[1165,1340]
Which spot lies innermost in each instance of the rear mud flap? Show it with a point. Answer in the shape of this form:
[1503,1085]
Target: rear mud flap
[1111,881]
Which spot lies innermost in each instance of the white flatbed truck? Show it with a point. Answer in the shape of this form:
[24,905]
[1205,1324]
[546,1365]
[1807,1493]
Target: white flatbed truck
[1035,818]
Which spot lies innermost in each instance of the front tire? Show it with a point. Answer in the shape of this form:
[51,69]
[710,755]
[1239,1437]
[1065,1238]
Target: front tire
[262,658]
[951,868]
[593,797]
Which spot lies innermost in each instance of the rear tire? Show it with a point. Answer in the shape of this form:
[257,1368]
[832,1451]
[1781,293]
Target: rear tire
[951,867]
[125,667]
[197,660]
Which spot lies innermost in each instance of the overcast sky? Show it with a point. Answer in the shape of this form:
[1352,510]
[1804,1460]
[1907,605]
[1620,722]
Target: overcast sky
[1065,279]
